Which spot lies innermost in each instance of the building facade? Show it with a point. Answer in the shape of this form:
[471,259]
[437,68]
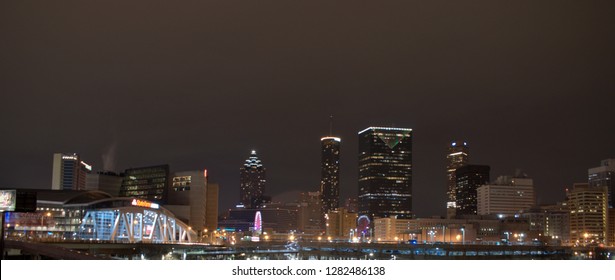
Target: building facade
[506,196]
[187,198]
[469,178]
[457,156]
[341,224]
[588,214]
[385,172]
[330,173]
[69,172]
[211,212]
[551,223]
[108,182]
[252,182]
[604,176]
[149,183]
[310,219]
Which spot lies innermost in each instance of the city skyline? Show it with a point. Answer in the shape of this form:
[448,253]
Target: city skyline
[185,85]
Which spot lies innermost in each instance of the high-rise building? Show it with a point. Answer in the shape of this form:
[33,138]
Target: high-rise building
[588,214]
[149,183]
[330,173]
[506,196]
[252,182]
[69,172]
[469,178]
[385,172]
[310,219]
[549,222]
[187,198]
[211,219]
[108,182]
[457,156]
[604,176]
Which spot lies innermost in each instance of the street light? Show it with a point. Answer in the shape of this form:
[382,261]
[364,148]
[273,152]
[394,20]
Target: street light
[463,234]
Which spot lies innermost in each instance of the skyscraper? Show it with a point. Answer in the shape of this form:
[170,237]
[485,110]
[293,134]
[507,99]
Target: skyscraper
[604,176]
[469,178]
[330,173]
[458,156]
[588,214]
[69,172]
[385,172]
[149,183]
[252,182]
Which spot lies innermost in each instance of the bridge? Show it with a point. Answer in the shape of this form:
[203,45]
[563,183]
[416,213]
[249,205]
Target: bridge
[305,250]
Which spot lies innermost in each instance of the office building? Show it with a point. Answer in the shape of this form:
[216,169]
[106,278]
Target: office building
[385,172]
[506,196]
[604,176]
[310,217]
[469,178]
[211,211]
[108,182]
[149,183]
[330,173]
[457,156]
[588,214]
[341,224]
[69,172]
[550,222]
[187,198]
[252,182]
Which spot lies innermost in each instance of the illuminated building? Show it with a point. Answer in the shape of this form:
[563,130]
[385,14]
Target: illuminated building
[352,204]
[108,182]
[187,198]
[469,178]
[275,218]
[551,222]
[611,228]
[149,183]
[65,216]
[69,172]
[458,156]
[330,173]
[604,176]
[588,214]
[252,182]
[340,223]
[385,172]
[506,196]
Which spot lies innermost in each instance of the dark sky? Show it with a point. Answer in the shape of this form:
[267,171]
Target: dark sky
[198,84]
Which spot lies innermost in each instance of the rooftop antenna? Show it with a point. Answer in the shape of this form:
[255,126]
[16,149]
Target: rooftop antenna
[331,125]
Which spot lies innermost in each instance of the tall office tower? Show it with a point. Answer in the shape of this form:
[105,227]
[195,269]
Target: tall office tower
[69,172]
[506,196]
[330,173]
[187,198]
[458,154]
[149,183]
[604,176]
[252,182]
[108,182]
[588,214]
[211,221]
[385,172]
[469,178]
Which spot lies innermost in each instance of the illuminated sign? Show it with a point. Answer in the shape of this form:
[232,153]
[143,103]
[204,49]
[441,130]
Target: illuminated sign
[8,200]
[143,203]
[87,166]
[69,157]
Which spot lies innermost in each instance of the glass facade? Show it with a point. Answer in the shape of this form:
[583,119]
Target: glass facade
[457,156]
[146,183]
[469,178]
[252,182]
[330,173]
[385,172]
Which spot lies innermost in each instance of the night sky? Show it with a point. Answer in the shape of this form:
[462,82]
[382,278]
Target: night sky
[199,84]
